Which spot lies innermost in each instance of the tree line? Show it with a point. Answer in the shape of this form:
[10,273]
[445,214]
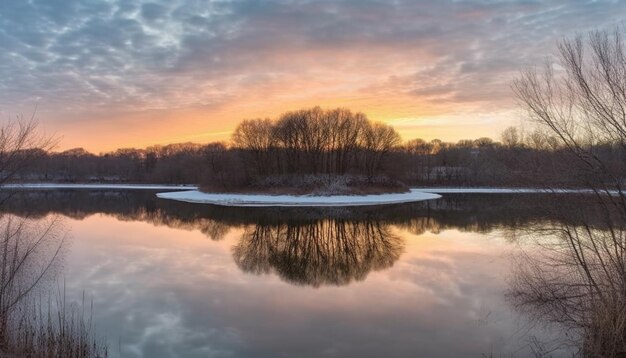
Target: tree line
[334,142]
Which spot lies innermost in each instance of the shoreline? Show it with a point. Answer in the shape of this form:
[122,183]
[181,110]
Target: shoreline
[434,190]
[192,194]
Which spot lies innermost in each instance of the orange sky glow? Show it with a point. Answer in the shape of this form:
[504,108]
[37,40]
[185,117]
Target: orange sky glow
[135,74]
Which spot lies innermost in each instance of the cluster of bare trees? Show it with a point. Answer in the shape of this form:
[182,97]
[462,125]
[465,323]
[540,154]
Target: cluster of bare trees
[315,141]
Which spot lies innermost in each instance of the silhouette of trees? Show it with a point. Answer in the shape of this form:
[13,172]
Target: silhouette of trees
[537,159]
[256,136]
[315,141]
[329,144]
[31,252]
[380,139]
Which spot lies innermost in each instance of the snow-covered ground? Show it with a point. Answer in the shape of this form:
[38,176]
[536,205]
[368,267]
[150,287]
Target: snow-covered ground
[194,196]
[100,186]
[190,193]
[505,191]
[97,186]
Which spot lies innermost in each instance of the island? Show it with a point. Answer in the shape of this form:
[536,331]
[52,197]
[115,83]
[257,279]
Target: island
[252,200]
[308,157]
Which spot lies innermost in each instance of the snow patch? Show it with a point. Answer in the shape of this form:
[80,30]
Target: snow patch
[99,186]
[507,191]
[195,196]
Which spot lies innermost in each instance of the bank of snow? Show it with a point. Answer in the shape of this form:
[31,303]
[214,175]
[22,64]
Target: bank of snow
[508,191]
[432,190]
[52,186]
[195,196]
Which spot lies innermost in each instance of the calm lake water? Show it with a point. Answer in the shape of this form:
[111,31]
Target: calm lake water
[170,279]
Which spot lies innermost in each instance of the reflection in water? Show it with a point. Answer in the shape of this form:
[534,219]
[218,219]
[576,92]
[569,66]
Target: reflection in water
[324,252]
[329,246]
[442,290]
[577,281]
[464,212]
[307,246]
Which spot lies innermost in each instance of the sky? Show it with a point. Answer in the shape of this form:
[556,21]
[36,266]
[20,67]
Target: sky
[126,73]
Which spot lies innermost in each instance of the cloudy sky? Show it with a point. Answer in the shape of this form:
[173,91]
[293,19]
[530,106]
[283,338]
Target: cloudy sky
[118,73]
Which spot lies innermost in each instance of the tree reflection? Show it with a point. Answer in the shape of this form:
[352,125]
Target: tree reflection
[577,281]
[464,212]
[316,253]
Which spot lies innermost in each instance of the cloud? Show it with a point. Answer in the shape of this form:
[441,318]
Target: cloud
[96,58]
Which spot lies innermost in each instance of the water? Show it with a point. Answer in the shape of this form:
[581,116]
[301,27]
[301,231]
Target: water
[171,279]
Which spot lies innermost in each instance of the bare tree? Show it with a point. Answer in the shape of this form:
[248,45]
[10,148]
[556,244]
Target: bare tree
[582,102]
[510,137]
[20,146]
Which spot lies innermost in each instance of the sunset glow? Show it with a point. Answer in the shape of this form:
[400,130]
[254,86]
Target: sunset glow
[133,74]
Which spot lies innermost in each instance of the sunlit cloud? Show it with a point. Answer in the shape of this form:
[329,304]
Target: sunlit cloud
[134,73]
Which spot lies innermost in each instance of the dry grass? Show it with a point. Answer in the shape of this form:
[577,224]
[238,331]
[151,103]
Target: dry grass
[606,334]
[35,322]
[55,329]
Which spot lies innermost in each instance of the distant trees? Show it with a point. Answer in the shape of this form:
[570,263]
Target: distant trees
[536,159]
[330,143]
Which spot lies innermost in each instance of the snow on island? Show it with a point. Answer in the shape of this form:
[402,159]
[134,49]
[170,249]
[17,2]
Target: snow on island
[255,200]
